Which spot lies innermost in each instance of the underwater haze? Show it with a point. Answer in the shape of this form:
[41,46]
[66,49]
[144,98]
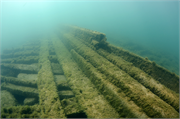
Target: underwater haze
[148,28]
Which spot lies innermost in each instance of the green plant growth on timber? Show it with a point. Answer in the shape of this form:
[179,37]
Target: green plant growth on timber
[125,82]
[89,98]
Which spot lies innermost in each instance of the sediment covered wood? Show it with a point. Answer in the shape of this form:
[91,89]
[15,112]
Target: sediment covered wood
[113,94]
[93,104]
[20,90]
[21,53]
[22,82]
[152,105]
[167,78]
[21,60]
[160,90]
[48,96]
[169,96]
[170,80]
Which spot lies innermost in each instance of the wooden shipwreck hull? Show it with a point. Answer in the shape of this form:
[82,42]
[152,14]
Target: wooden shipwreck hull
[76,73]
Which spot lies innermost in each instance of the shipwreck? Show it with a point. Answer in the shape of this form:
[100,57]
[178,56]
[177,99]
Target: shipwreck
[76,73]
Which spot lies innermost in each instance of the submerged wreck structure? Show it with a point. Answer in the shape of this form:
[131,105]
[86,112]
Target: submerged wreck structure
[76,73]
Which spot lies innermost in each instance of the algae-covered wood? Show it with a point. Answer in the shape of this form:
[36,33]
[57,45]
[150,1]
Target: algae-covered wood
[75,73]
